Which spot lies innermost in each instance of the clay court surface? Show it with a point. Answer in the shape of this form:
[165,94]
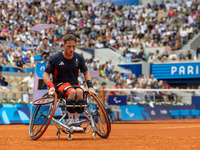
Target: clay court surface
[161,135]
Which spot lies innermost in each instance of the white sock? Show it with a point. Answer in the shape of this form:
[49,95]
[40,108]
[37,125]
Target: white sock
[76,118]
[71,117]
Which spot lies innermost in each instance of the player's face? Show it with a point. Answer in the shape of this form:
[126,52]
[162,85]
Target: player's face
[69,48]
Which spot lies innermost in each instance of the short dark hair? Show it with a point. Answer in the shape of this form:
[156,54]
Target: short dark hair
[69,37]
[103,83]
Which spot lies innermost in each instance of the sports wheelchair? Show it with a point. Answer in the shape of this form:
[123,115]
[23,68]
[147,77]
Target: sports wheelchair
[94,116]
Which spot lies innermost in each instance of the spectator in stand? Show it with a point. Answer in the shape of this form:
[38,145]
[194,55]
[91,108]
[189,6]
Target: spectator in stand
[29,80]
[22,37]
[110,64]
[103,86]
[197,93]
[10,58]
[99,44]
[181,55]
[19,64]
[129,80]
[188,3]
[188,55]
[25,46]
[91,59]
[142,55]
[27,60]
[148,94]
[3,81]
[117,86]
[171,12]
[168,5]
[172,56]
[166,85]
[162,5]
[175,5]
[101,71]
[183,35]
[95,85]
[198,51]
[182,58]
[152,79]
[11,44]
[190,31]
[43,49]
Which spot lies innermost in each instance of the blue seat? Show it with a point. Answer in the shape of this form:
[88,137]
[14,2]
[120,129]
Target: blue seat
[195,113]
[174,113]
[185,113]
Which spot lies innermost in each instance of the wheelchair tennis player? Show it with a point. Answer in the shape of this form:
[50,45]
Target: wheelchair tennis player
[64,67]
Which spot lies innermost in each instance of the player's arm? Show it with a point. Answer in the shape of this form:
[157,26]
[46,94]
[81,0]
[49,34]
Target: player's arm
[89,82]
[46,76]
[47,81]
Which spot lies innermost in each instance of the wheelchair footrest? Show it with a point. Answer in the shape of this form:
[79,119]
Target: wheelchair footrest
[78,132]
[64,105]
[66,117]
[76,105]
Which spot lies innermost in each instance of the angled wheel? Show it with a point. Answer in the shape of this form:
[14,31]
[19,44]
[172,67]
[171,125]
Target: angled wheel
[42,115]
[100,116]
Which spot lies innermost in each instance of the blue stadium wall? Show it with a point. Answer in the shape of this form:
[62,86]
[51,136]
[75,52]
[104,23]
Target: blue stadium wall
[20,113]
[176,73]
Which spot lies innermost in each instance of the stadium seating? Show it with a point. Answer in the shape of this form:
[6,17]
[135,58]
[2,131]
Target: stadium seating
[185,114]
[175,114]
[195,114]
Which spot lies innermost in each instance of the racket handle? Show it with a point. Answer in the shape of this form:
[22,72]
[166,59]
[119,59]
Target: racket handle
[51,93]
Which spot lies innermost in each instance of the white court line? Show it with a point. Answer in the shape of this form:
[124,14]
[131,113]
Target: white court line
[179,127]
[12,128]
[131,137]
[26,136]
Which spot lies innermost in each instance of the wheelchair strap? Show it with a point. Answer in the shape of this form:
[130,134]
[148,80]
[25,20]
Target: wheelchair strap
[58,85]
[66,88]
[56,89]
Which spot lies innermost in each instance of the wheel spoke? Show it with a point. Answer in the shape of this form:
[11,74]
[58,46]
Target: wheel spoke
[101,124]
[40,119]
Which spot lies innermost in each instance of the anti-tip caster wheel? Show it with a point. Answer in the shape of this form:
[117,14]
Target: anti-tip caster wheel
[93,135]
[69,136]
[58,134]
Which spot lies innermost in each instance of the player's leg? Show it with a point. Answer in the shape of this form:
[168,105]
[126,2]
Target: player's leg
[79,101]
[79,94]
[71,94]
[74,97]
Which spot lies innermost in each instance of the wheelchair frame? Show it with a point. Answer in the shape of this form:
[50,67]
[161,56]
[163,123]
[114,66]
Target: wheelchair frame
[61,102]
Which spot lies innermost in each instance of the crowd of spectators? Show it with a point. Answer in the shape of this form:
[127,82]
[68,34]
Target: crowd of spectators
[108,72]
[15,56]
[168,55]
[96,25]
[99,25]
[142,82]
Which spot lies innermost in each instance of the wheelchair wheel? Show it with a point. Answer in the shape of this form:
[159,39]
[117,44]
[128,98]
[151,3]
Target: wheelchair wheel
[100,116]
[41,118]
